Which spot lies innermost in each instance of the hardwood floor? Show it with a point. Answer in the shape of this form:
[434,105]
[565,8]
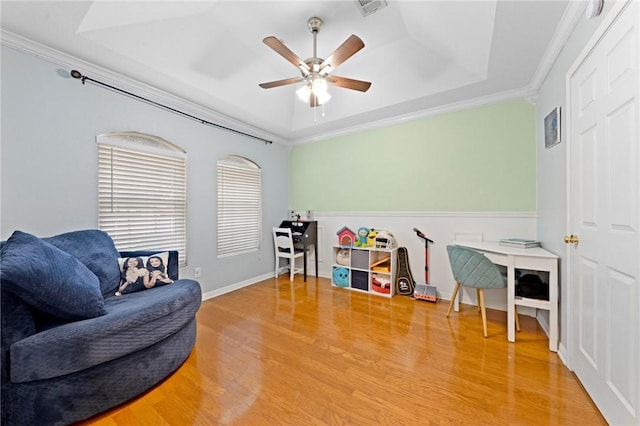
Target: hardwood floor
[309,354]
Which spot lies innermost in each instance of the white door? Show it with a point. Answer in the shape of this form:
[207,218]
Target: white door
[604,182]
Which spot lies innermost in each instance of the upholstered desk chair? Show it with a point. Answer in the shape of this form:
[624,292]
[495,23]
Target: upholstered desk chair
[283,243]
[472,269]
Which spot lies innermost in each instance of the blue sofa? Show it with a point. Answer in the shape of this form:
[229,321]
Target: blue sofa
[70,347]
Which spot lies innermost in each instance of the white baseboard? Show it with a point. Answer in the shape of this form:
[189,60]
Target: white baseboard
[563,355]
[543,321]
[228,289]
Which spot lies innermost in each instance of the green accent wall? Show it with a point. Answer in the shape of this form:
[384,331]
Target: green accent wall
[482,159]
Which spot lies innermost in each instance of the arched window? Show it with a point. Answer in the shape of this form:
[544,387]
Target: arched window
[142,192]
[239,206]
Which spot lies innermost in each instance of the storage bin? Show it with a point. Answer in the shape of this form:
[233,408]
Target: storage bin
[360,259]
[360,280]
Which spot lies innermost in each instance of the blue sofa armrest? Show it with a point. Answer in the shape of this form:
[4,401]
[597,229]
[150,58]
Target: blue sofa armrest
[173,270]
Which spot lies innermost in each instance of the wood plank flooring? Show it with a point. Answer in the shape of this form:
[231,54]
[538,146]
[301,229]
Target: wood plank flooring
[281,353]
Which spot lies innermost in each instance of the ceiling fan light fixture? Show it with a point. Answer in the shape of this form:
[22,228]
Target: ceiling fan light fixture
[323,98]
[304,93]
[319,86]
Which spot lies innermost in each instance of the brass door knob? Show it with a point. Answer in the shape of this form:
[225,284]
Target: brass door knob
[571,239]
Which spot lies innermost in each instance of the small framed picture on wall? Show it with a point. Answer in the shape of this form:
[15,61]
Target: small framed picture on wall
[552,128]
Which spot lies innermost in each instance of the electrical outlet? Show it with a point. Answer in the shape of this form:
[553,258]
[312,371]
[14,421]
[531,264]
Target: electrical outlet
[197,272]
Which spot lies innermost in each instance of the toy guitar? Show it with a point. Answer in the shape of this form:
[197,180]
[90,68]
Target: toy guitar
[405,284]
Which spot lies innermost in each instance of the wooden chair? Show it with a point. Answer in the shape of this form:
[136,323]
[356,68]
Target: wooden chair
[284,248]
[473,269]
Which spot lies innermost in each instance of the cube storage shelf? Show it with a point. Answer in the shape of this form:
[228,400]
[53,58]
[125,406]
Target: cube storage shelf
[365,269]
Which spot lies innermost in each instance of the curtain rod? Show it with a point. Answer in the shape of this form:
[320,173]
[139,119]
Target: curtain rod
[78,75]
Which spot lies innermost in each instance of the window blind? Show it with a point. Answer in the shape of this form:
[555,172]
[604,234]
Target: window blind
[239,206]
[142,199]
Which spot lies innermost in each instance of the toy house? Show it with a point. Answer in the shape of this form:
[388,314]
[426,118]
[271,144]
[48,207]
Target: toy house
[346,236]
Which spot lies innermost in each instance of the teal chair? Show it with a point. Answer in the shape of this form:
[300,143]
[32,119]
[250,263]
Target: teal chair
[472,269]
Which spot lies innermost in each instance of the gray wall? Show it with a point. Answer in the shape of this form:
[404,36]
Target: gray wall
[552,162]
[49,163]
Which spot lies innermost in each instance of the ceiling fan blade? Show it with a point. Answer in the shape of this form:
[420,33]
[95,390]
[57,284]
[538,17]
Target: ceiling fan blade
[279,83]
[348,83]
[285,52]
[343,52]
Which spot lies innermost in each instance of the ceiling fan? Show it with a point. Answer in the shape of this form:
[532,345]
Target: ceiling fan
[316,71]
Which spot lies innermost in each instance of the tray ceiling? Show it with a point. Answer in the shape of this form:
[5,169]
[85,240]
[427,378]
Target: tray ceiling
[420,56]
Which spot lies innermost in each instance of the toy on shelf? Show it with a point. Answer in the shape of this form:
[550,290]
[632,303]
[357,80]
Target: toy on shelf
[385,240]
[381,284]
[346,237]
[363,233]
[343,257]
[371,238]
[341,277]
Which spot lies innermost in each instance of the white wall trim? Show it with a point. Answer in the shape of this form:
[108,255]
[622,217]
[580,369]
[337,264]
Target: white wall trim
[236,286]
[562,354]
[572,15]
[543,319]
[430,112]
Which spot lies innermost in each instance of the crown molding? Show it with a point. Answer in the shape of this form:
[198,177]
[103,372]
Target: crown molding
[431,112]
[570,18]
[137,87]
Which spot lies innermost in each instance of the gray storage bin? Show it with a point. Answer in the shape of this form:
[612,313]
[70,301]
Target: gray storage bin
[360,259]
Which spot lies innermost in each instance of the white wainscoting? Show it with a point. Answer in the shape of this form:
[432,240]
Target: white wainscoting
[442,228]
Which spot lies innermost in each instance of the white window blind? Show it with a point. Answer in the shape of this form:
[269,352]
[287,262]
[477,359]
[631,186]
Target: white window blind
[142,198]
[239,206]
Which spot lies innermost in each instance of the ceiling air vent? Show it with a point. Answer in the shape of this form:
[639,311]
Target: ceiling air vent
[367,7]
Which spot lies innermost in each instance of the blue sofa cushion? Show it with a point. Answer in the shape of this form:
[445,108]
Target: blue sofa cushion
[95,249]
[49,279]
[134,321]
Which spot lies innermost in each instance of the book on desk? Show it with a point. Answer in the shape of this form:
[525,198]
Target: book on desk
[519,243]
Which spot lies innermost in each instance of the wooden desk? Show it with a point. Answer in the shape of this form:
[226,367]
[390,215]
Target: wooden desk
[537,259]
